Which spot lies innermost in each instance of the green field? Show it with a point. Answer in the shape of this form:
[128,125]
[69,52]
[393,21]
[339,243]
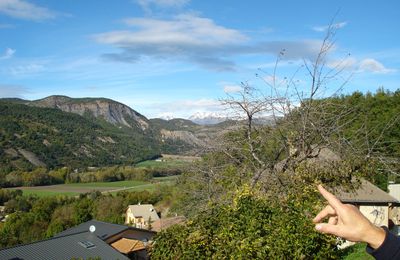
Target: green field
[115,184]
[356,252]
[74,189]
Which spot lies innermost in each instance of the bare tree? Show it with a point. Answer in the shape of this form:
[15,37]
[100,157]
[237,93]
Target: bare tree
[308,123]
[305,141]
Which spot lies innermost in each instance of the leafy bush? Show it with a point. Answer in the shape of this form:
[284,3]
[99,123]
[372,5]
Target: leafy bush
[248,228]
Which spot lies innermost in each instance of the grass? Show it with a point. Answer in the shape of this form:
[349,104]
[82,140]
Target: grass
[114,184]
[74,189]
[148,187]
[356,252]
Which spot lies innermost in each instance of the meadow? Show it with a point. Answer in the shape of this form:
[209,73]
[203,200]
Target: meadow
[74,189]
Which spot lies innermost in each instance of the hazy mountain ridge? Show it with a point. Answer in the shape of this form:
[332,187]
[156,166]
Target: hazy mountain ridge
[59,130]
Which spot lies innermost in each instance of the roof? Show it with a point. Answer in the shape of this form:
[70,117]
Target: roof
[64,247]
[164,223]
[103,230]
[126,245]
[365,193]
[145,211]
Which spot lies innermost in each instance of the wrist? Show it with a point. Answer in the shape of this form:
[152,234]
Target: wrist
[375,237]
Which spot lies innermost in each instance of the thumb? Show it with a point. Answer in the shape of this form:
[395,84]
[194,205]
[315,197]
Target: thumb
[328,229]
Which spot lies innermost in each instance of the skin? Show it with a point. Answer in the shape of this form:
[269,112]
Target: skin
[346,221]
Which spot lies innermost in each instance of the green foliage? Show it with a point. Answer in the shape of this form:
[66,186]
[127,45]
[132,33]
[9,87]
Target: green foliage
[41,177]
[6,195]
[248,228]
[83,210]
[107,208]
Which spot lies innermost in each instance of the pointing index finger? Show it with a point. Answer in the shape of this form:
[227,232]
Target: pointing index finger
[332,200]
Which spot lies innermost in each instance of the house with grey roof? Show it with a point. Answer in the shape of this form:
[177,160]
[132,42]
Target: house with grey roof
[141,215]
[92,239]
[374,203]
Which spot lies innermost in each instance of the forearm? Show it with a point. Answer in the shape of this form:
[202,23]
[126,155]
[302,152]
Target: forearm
[389,249]
[374,236]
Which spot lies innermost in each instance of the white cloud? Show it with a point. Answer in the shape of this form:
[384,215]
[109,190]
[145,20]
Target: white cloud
[232,88]
[161,3]
[166,115]
[9,53]
[365,65]
[346,63]
[24,10]
[28,69]
[184,29]
[183,108]
[12,91]
[195,39]
[279,82]
[325,27]
[374,66]
[186,37]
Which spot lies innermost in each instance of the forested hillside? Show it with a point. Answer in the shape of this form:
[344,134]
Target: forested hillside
[47,137]
[375,120]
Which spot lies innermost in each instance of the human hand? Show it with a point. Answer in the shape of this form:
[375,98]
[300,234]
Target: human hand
[347,222]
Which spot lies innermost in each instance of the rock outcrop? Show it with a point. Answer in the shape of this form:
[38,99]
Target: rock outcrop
[110,110]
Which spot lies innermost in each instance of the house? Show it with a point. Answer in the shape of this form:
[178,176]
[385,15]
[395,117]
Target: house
[141,215]
[374,203]
[92,239]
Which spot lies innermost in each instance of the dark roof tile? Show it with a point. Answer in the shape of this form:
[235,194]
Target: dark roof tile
[64,247]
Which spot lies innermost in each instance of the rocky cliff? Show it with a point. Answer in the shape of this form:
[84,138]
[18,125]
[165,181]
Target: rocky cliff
[110,110]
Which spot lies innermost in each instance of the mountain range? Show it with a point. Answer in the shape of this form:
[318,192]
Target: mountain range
[61,131]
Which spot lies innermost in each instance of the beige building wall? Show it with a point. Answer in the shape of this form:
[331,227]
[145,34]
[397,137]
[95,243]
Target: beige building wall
[136,222]
[394,190]
[379,215]
[394,214]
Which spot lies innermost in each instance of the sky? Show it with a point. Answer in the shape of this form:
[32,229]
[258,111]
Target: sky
[176,58]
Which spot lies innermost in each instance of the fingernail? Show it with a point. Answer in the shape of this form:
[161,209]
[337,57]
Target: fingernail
[318,227]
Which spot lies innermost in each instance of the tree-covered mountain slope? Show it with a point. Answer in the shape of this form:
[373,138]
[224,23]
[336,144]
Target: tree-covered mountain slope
[37,136]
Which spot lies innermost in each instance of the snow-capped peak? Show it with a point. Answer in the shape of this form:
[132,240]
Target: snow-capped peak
[208,118]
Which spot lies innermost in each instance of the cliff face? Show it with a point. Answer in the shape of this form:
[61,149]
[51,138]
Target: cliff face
[111,111]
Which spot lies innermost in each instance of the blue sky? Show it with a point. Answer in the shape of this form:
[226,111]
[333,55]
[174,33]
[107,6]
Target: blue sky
[178,57]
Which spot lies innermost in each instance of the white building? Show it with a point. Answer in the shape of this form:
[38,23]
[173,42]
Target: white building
[141,215]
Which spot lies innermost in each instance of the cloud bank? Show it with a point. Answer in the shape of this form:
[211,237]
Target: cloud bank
[194,39]
[24,10]
[374,66]
[368,65]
